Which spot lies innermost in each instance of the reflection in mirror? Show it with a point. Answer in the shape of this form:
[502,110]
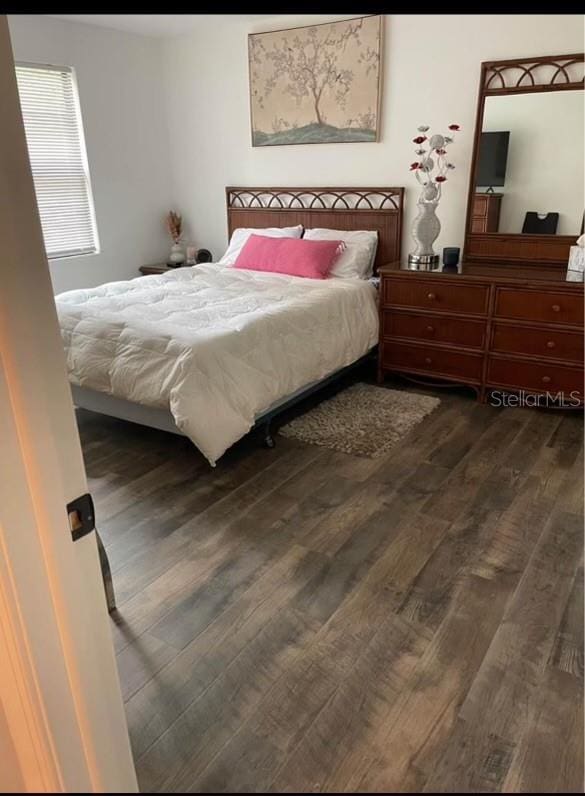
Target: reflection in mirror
[529,175]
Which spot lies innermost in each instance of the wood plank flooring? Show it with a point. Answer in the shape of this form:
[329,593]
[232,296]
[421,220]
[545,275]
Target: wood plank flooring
[303,620]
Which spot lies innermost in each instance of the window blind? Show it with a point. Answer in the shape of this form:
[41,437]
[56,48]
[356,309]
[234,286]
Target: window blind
[54,134]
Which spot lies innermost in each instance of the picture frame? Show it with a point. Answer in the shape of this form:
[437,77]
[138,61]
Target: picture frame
[316,84]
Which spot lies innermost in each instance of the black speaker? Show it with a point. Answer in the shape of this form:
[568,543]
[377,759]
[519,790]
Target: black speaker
[203,256]
[451,258]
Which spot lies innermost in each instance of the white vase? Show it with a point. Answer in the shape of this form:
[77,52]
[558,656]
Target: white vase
[177,256]
[426,226]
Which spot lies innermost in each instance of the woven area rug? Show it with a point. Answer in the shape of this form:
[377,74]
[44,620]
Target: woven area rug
[363,420]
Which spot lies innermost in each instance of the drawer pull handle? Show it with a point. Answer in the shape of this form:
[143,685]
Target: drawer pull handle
[428,361]
[430,329]
[546,379]
[550,344]
[431,296]
[556,307]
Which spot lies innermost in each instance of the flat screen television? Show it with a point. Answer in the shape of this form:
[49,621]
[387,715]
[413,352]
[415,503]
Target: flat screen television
[493,158]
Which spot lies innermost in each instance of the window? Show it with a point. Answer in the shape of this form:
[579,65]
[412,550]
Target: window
[54,134]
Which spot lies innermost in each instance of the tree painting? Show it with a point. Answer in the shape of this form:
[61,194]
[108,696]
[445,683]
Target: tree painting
[318,84]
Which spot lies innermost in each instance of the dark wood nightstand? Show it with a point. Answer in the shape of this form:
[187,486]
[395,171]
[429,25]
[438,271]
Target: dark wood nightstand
[158,268]
[485,212]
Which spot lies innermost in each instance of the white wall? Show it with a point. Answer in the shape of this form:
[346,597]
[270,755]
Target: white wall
[121,95]
[430,76]
[167,121]
[544,172]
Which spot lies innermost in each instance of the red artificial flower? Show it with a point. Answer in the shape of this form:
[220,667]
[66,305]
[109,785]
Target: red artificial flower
[440,178]
[454,127]
[420,139]
[441,151]
[415,165]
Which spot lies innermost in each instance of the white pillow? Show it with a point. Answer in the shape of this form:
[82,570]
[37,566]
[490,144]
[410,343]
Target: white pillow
[357,259]
[241,235]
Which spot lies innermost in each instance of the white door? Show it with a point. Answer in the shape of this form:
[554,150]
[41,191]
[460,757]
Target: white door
[62,722]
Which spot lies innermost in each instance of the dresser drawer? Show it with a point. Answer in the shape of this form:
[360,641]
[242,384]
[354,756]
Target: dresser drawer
[549,344]
[433,328]
[534,305]
[435,294]
[435,361]
[479,224]
[534,376]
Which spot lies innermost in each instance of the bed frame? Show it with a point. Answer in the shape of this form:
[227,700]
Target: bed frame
[377,209]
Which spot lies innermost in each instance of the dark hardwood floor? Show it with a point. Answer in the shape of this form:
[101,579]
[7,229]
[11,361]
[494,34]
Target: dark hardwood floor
[303,620]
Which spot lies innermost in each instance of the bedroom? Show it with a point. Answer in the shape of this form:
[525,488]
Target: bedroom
[405,615]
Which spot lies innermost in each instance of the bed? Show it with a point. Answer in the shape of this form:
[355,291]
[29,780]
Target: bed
[210,351]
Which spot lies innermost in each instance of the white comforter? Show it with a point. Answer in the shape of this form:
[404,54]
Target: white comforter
[215,345]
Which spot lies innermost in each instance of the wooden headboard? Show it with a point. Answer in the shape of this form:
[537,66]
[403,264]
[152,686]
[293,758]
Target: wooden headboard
[377,209]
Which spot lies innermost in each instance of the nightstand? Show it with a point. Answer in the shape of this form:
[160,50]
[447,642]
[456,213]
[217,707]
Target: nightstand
[158,268]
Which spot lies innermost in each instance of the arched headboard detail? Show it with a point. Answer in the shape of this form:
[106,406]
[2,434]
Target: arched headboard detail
[377,209]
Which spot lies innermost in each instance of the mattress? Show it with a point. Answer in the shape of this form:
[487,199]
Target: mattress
[214,345]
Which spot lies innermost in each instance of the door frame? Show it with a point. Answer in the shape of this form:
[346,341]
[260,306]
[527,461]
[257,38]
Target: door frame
[62,717]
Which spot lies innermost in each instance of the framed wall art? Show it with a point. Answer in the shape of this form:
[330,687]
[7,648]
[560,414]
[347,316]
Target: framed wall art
[318,84]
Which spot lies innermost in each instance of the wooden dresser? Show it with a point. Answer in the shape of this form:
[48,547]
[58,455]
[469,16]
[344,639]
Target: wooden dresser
[485,212]
[488,332]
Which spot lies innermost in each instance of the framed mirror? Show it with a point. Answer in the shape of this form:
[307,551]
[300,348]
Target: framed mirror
[526,202]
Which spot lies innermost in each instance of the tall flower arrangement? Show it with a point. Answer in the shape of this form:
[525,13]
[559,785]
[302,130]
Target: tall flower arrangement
[174,225]
[431,171]
[432,165]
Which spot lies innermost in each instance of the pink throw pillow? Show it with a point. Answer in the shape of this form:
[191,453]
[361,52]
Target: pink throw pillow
[312,259]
